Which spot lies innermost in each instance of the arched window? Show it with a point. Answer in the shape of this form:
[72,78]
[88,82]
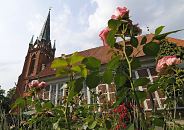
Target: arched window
[32,64]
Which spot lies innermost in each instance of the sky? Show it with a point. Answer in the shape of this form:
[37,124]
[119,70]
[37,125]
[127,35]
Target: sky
[75,25]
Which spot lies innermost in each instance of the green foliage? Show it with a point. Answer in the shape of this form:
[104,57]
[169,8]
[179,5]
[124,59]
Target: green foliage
[131,127]
[114,24]
[151,49]
[134,42]
[59,63]
[120,80]
[135,64]
[170,49]
[159,30]
[108,76]
[75,88]
[141,95]
[153,87]
[75,113]
[93,80]
[129,50]
[114,63]
[75,58]
[143,40]
[91,63]
[2,92]
[111,38]
[141,82]
[11,92]
[164,35]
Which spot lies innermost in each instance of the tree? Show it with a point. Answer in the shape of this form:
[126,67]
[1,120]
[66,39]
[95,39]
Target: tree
[11,92]
[2,91]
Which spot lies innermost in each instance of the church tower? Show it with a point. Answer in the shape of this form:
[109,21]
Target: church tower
[40,53]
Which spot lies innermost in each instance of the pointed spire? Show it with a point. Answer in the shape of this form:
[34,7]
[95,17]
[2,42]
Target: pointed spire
[31,42]
[45,32]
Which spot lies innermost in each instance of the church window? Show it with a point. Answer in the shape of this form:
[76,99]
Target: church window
[32,64]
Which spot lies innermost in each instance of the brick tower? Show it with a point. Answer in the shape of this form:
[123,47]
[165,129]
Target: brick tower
[40,53]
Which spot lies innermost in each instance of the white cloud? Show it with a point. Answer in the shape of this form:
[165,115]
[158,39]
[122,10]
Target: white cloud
[73,29]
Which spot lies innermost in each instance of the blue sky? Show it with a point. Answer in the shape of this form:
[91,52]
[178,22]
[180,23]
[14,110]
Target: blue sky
[75,25]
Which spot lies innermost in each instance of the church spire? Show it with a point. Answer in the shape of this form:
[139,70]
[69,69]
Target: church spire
[45,32]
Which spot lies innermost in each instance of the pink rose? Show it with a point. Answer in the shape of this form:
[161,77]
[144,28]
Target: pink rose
[103,35]
[33,84]
[42,84]
[119,12]
[167,61]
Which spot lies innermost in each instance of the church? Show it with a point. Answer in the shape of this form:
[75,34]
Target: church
[41,53]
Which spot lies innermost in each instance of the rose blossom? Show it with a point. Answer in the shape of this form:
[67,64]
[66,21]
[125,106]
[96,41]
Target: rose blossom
[119,12]
[167,61]
[34,83]
[103,35]
[42,84]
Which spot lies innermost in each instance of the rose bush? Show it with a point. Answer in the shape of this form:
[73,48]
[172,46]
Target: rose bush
[75,113]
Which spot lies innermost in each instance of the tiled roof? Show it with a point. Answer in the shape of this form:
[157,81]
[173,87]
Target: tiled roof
[104,55]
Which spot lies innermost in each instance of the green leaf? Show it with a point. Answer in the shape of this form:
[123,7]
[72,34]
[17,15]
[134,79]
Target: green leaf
[141,95]
[158,121]
[111,38]
[92,125]
[113,63]
[19,102]
[135,64]
[152,87]
[90,118]
[78,85]
[76,69]
[131,127]
[151,49]
[48,105]
[93,80]
[38,106]
[61,72]
[108,124]
[75,88]
[118,102]
[84,72]
[120,80]
[144,40]
[141,82]
[114,24]
[75,58]
[91,63]
[159,30]
[57,63]
[162,36]
[72,93]
[129,50]
[107,76]
[134,42]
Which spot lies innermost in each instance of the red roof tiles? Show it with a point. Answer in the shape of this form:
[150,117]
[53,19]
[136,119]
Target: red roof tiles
[102,53]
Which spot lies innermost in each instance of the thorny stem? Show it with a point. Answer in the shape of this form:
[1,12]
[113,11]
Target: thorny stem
[67,103]
[174,115]
[131,83]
